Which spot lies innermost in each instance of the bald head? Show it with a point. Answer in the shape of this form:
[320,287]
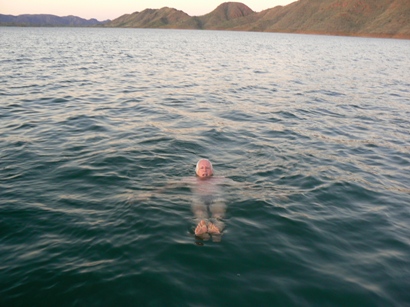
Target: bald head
[204,168]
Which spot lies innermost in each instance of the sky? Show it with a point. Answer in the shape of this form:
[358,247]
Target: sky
[111,9]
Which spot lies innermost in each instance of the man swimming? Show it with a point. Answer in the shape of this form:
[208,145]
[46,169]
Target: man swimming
[208,205]
[206,197]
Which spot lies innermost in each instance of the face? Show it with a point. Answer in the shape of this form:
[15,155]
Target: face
[204,169]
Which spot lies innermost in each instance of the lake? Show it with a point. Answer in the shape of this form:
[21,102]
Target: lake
[312,130]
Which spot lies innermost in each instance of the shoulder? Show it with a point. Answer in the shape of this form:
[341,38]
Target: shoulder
[188,180]
[222,180]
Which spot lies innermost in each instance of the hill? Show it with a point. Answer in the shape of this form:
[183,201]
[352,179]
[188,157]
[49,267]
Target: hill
[172,18]
[150,18]
[46,20]
[225,16]
[381,18]
[386,18]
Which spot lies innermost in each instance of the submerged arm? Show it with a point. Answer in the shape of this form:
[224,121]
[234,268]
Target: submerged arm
[168,186]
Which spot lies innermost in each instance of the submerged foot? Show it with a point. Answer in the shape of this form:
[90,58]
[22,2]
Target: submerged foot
[212,229]
[201,228]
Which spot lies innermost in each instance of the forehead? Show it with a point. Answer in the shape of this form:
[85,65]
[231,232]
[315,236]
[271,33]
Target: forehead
[204,163]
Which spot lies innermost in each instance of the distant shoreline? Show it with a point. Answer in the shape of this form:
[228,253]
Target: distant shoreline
[383,36]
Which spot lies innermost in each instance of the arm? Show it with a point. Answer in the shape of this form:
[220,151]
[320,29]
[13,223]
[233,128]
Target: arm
[245,188]
[168,186]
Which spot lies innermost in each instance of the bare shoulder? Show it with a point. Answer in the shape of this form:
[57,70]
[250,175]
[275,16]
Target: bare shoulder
[222,180]
[214,180]
[189,180]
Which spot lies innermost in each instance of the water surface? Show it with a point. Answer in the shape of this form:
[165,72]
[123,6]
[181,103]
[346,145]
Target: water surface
[314,130]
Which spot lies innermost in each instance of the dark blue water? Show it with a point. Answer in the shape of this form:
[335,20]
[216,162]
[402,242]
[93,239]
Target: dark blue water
[314,130]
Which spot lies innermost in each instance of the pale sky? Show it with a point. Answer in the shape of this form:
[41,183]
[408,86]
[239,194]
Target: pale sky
[111,9]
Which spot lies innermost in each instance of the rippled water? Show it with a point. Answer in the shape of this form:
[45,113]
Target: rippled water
[313,129]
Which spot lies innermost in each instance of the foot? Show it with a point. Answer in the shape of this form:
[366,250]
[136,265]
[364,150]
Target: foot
[212,229]
[201,228]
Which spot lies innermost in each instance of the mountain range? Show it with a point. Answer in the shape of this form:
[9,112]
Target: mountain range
[375,18]
[379,18]
[46,20]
